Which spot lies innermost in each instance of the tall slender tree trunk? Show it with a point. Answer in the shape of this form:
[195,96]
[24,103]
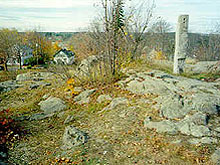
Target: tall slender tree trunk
[114,53]
[20,67]
[107,33]
[116,26]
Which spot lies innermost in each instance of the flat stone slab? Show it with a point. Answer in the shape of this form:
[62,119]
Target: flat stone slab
[51,105]
[9,85]
[165,126]
[103,98]
[204,140]
[73,137]
[216,156]
[116,102]
[34,76]
[83,97]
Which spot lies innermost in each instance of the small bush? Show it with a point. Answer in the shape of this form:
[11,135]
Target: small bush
[97,75]
[71,85]
[159,56]
[29,67]
[9,128]
[34,61]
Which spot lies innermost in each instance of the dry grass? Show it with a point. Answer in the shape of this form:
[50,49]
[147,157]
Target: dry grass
[14,71]
[116,136]
[167,66]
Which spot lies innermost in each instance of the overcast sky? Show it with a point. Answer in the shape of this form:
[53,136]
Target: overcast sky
[73,15]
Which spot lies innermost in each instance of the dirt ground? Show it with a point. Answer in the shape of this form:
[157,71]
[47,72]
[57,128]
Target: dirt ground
[116,136]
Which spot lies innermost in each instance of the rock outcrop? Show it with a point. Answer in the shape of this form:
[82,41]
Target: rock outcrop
[116,102]
[73,137]
[216,156]
[34,76]
[184,104]
[9,85]
[83,97]
[205,67]
[103,98]
[52,105]
[86,65]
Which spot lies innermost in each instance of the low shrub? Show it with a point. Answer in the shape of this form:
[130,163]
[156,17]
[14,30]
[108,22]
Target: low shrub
[34,61]
[10,130]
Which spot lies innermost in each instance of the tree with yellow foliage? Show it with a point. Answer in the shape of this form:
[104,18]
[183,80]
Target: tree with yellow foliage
[7,42]
[56,46]
[42,48]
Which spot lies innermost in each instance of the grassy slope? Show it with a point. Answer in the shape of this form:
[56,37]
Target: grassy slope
[116,137]
[142,65]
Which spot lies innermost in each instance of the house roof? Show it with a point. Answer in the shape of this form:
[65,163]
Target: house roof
[69,53]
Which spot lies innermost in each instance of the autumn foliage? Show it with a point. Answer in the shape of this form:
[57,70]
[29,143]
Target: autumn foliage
[70,86]
[83,45]
[10,129]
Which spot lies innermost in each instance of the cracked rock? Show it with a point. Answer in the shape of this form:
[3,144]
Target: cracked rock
[73,137]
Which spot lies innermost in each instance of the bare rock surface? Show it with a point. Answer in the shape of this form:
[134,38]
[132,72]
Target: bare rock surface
[73,137]
[103,98]
[204,140]
[216,156]
[205,67]
[52,105]
[35,79]
[185,105]
[165,126]
[9,85]
[83,97]
[34,76]
[116,102]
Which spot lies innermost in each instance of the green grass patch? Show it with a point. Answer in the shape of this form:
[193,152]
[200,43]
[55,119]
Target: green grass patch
[167,66]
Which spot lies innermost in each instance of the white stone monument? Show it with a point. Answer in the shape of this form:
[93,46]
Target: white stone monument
[182,44]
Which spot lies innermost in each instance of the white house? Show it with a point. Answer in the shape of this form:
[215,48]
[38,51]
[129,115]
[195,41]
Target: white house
[64,56]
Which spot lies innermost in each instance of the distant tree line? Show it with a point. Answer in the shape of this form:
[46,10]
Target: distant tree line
[13,44]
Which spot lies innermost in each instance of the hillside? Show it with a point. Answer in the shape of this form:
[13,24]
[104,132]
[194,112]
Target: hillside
[147,117]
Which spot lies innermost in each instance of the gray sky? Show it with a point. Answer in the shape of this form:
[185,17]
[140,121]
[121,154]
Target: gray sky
[73,15]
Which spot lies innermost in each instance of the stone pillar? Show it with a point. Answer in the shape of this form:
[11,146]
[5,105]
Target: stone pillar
[182,43]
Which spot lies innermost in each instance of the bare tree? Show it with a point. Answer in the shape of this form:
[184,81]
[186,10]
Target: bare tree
[42,48]
[159,35]
[18,48]
[138,21]
[113,23]
[207,46]
[7,42]
[123,30]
